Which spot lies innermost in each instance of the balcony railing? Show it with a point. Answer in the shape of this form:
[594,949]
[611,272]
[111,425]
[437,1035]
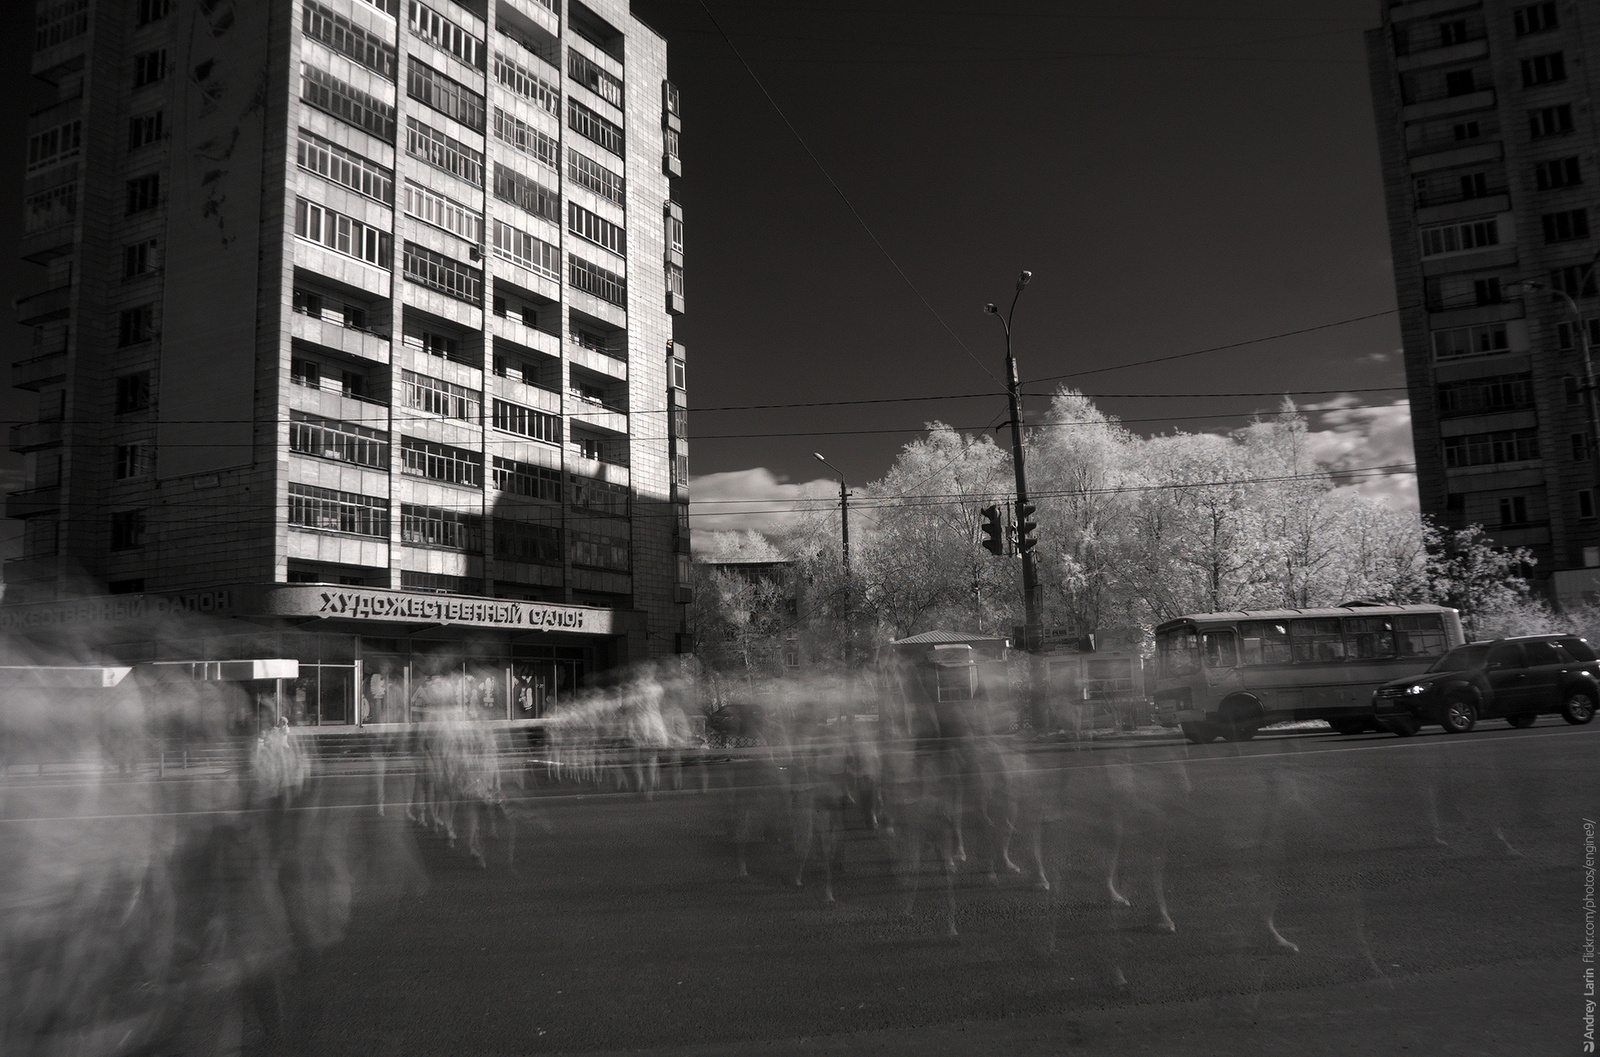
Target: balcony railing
[44,306]
[32,502]
[599,402]
[1446,196]
[584,342]
[39,371]
[32,436]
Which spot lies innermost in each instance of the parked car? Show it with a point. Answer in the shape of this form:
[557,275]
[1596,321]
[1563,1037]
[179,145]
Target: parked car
[1515,679]
[738,724]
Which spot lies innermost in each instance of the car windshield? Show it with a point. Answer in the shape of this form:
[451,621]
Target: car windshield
[1462,658]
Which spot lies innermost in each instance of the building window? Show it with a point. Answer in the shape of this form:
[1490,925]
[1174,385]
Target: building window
[60,23]
[1543,69]
[1486,291]
[1568,334]
[431,526]
[1486,449]
[1565,226]
[443,274]
[1513,510]
[440,583]
[598,496]
[1535,18]
[138,258]
[1550,120]
[593,279]
[439,397]
[344,167]
[50,208]
[596,229]
[527,195]
[1452,238]
[125,587]
[526,479]
[525,139]
[54,145]
[612,450]
[1560,172]
[601,82]
[149,67]
[127,530]
[1459,82]
[1586,513]
[148,11]
[526,422]
[342,234]
[434,343]
[133,392]
[526,541]
[1580,447]
[328,438]
[441,462]
[679,370]
[1486,396]
[600,550]
[527,84]
[430,207]
[1461,342]
[134,460]
[329,510]
[1455,503]
[446,35]
[144,129]
[444,94]
[348,39]
[349,104]
[144,193]
[443,152]
[585,172]
[135,325]
[680,470]
[675,287]
[530,252]
[1575,280]
[1573,390]
[1466,130]
[592,126]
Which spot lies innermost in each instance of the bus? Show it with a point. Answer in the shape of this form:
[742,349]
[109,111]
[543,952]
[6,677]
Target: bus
[1230,674]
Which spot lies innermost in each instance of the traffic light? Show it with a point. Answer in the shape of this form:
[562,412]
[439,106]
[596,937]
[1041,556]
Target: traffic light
[1025,540]
[994,535]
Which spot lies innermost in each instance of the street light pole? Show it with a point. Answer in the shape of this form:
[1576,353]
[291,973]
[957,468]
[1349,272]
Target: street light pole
[1032,628]
[844,512]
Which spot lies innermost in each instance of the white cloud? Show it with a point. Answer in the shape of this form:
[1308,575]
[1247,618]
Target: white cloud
[754,499]
[1347,436]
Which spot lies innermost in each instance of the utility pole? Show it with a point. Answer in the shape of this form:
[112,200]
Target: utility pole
[1032,627]
[1590,397]
[844,549]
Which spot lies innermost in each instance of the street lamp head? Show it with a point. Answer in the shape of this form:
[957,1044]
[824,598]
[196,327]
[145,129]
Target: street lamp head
[1530,284]
[1023,279]
[818,454]
[991,309]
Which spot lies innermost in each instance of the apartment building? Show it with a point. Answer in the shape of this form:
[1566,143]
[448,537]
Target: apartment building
[357,317]
[1487,132]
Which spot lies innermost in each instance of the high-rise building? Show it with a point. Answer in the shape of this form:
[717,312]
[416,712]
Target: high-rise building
[1487,129]
[371,294]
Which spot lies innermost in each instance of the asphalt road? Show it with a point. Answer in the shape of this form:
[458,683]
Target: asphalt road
[1433,888]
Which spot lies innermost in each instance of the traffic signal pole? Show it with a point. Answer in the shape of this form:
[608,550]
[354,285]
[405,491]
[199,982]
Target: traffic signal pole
[1032,628]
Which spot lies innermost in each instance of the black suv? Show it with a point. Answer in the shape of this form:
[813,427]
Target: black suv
[1516,679]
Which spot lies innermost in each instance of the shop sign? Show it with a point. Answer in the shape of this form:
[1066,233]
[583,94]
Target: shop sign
[116,609]
[380,605]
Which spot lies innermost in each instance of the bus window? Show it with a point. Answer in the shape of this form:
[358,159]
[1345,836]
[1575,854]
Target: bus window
[1221,650]
[1368,638]
[1316,641]
[1264,642]
[1179,652]
[1420,635]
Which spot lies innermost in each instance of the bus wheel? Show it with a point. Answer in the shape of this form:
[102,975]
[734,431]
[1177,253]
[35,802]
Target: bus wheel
[1460,716]
[1196,733]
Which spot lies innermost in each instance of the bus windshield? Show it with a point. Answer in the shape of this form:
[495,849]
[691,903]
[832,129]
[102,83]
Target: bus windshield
[1462,658]
[1178,652]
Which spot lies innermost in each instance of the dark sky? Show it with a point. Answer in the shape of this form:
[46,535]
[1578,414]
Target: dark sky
[1174,180]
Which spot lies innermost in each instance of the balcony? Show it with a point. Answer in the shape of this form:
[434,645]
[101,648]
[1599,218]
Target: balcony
[369,343]
[33,502]
[1434,53]
[39,371]
[32,569]
[44,306]
[1450,104]
[60,39]
[592,412]
[32,436]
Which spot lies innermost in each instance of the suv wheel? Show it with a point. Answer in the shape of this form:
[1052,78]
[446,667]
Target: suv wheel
[1578,708]
[1527,719]
[1198,733]
[1402,726]
[1460,715]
